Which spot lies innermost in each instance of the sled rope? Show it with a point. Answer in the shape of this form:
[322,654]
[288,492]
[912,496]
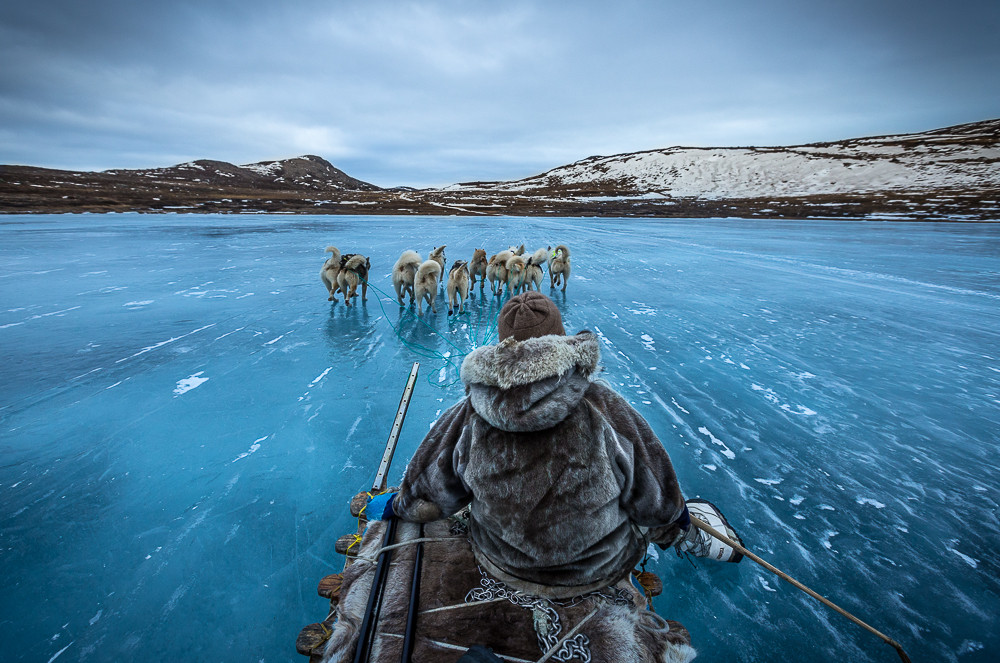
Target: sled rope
[430,353]
[424,539]
[705,527]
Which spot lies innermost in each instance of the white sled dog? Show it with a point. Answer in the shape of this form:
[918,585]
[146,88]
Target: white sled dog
[516,250]
[496,271]
[353,272]
[328,273]
[403,273]
[458,286]
[478,267]
[533,269]
[515,274]
[559,267]
[425,284]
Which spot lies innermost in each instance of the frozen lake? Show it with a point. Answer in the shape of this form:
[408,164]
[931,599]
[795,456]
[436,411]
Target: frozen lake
[184,417]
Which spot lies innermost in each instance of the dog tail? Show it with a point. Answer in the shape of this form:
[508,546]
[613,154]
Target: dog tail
[335,251]
[565,251]
[355,262]
[429,269]
[410,258]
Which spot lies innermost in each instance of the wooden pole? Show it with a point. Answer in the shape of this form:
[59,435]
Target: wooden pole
[705,527]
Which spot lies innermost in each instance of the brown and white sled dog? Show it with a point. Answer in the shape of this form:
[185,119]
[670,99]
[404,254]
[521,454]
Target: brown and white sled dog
[478,267]
[533,269]
[353,272]
[437,254]
[425,284]
[458,286]
[559,267]
[496,271]
[403,273]
[515,274]
[328,273]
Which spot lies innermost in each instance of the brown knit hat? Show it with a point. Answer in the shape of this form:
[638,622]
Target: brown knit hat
[528,315]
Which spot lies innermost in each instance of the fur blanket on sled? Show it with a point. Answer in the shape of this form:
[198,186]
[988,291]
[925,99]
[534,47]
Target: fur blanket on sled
[461,606]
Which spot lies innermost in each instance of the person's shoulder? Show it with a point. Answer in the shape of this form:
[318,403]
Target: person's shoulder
[601,393]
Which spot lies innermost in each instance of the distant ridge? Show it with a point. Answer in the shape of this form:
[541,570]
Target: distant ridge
[950,174]
[959,157]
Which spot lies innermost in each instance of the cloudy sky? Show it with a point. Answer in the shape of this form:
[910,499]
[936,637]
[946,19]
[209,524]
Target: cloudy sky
[435,92]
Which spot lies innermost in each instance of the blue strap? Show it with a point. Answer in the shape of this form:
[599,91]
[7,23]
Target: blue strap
[380,507]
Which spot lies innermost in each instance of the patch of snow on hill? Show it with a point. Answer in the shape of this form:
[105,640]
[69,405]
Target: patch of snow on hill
[267,169]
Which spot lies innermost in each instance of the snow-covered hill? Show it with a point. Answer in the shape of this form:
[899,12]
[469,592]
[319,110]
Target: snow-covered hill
[961,157]
[308,171]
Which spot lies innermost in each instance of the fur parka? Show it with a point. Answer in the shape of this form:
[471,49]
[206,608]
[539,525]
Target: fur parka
[567,482]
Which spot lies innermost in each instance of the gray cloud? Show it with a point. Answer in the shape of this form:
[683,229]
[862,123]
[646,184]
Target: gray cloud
[428,93]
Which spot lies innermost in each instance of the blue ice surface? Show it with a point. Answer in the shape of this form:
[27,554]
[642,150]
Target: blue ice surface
[184,418]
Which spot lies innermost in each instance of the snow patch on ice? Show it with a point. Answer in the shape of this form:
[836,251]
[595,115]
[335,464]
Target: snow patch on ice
[769,482]
[974,563]
[58,653]
[868,500]
[189,383]
[253,448]
[969,646]
[726,451]
[320,377]
[763,583]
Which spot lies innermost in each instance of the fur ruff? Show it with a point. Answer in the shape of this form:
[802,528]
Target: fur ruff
[513,363]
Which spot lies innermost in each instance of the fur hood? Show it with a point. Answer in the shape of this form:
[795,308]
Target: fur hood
[532,384]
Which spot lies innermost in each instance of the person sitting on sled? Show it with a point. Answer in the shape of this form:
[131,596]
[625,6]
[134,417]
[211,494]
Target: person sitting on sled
[567,483]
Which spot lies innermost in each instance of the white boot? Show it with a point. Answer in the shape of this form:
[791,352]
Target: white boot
[703,544]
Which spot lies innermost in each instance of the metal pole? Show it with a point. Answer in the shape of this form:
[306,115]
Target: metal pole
[705,527]
[379,485]
[366,635]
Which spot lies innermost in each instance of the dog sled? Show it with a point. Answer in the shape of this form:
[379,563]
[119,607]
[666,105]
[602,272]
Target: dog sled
[414,592]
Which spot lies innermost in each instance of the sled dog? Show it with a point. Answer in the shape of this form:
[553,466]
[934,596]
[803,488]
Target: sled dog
[458,286]
[353,272]
[533,269]
[328,273]
[403,273]
[517,250]
[425,284]
[559,267]
[515,274]
[496,271]
[478,267]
